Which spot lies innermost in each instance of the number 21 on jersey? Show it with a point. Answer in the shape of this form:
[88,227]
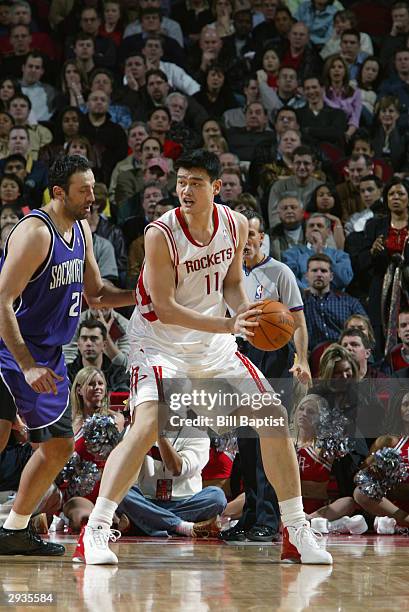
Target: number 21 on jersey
[75,308]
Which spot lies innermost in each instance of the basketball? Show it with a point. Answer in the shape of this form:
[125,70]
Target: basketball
[276,327]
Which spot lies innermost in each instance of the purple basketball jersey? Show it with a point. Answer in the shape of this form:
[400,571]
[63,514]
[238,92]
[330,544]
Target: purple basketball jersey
[48,310]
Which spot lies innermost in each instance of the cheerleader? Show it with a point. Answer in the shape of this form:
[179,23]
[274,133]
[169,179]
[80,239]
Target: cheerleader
[315,473]
[393,509]
[89,396]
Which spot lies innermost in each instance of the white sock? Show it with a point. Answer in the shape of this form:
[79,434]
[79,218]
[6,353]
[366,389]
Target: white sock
[292,512]
[103,513]
[185,528]
[16,521]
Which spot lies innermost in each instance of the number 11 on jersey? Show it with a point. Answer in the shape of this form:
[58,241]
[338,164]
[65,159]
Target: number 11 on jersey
[210,282]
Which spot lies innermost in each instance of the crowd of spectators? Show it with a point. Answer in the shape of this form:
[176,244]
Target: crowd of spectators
[306,103]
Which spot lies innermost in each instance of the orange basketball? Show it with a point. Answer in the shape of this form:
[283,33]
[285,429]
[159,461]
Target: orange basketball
[276,327]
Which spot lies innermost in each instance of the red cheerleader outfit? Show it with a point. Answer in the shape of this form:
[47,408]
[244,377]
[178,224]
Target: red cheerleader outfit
[403,447]
[313,468]
[81,448]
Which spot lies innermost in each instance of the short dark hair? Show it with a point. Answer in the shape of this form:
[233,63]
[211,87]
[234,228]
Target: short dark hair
[400,50]
[35,55]
[351,32]
[200,158]
[156,72]
[84,36]
[259,102]
[168,201]
[152,138]
[320,257]
[156,37]
[98,71]
[15,157]
[150,184]
[317,77]
[91,323]
[135,54]
[285,109]
[304,150]
[19,25]
[355,331]
[21,96]
[281,8]
[160,108]
[249,77]
[90,8]
[20,127]
[253,214]
[63,168]
[357,156]
[150,10]
[372,177]
[288,68]
[399,5]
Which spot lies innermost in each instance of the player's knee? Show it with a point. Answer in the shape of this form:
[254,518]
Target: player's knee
[5,429]
[67,447]
[58,449]
[145,424]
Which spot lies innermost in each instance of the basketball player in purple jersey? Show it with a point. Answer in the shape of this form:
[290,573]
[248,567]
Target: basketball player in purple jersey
[48,260]
[192,270]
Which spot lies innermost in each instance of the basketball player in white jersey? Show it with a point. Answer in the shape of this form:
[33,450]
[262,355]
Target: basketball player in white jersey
[192,270]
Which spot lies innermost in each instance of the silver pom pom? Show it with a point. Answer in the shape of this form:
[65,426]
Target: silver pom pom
[226,442]
[69,469]
[386,472]
[100,434]
[79,476]
[330,433]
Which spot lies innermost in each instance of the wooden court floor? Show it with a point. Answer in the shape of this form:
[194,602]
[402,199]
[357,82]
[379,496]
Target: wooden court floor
[369,573]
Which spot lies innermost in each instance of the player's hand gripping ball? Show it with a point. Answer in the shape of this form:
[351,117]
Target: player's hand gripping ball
[276,326]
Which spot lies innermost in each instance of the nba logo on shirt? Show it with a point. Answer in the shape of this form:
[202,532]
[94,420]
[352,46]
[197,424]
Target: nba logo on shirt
[259,292]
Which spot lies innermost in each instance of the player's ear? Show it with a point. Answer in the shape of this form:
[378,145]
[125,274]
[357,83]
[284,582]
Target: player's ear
[58,193]
[217,185]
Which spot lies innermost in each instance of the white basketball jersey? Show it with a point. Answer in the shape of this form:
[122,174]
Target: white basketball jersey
[199,277]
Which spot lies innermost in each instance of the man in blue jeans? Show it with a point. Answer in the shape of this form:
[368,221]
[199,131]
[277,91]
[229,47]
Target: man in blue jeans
[168,497]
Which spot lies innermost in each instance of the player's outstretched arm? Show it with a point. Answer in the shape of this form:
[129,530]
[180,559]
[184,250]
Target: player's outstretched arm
[99,295]
[28,248]
[301,368]
[233,287]
[160,273]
